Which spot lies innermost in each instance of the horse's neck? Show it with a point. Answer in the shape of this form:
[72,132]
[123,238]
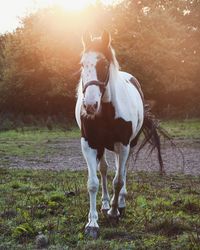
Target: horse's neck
[114,80]
[116,91]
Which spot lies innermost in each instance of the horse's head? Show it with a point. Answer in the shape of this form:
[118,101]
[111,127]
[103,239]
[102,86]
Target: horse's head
[95,61]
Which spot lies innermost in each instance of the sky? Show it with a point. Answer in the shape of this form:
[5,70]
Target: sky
[12,10]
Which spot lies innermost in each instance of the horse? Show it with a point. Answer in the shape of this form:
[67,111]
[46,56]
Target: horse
[111,115]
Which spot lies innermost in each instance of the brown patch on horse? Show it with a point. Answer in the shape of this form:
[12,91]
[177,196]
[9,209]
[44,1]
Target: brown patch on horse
[104,131]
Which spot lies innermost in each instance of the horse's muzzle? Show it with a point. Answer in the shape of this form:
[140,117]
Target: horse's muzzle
[91,109]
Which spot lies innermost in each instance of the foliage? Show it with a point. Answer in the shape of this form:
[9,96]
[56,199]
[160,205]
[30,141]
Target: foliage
[39,62]
[40,212]
[9,121]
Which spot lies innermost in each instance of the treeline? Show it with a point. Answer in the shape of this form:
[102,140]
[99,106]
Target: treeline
[157,41]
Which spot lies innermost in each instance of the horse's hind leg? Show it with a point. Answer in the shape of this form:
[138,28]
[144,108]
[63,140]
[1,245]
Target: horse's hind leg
[103,166]
[122,196]
[123,192]
[121,157]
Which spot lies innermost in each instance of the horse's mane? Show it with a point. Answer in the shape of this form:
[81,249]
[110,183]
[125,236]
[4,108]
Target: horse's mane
[96,46]
[109,53]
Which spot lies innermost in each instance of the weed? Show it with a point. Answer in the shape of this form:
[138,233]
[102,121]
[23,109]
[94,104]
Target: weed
[168,227]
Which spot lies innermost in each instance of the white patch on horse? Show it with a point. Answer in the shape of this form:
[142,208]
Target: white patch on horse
[93,94]
[126,99]
[89,61]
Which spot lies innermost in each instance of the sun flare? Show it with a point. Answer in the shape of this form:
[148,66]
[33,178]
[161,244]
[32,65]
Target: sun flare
[9,17]
[75,5]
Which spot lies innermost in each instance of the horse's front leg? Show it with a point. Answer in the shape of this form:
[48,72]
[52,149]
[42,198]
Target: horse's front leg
[92,227]
[122,197]
[103,167]
[121,156]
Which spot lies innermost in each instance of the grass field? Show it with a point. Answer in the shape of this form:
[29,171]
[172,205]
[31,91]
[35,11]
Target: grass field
[183,129]
[162,212]
[30,142]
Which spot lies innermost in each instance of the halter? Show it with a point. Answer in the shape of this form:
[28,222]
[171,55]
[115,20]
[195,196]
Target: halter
[102,85]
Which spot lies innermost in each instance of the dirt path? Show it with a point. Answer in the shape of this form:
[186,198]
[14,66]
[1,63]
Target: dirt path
[67,155]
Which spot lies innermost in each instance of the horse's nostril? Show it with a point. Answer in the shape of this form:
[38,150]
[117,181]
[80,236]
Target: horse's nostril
[91,109]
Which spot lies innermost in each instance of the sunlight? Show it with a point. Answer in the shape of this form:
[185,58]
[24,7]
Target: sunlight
[76,5]
[9,17]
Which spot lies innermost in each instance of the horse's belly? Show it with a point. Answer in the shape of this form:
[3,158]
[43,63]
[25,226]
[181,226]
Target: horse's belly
[120,132]
[105,131]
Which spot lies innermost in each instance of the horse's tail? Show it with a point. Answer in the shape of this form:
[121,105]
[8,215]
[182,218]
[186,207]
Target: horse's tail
[152,133]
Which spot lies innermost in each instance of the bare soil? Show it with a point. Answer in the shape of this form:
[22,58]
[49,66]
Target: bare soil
[67,155]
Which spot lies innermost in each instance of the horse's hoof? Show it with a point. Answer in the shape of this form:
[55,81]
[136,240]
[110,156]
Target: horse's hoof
[121,211]
[105,212]
[114,220]
[92,232]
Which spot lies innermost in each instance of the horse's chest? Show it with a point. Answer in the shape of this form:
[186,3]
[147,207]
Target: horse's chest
[104,131]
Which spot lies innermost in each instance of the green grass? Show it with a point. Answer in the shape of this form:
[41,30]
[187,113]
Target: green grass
[183,129]
[162,212]
[39,134]
[31,142]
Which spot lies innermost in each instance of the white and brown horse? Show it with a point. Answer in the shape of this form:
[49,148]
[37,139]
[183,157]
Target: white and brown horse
[110,113]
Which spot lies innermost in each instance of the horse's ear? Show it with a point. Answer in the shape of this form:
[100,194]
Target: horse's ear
[106,39]
[86,39]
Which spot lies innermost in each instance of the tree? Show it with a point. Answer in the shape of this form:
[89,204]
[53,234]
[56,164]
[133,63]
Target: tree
[157,41]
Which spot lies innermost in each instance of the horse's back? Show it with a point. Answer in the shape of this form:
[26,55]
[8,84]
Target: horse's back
[133,80]
[135,102]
